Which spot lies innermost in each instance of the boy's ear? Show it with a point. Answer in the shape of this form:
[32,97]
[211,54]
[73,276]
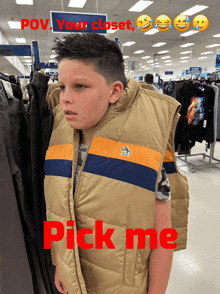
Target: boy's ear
[116,91]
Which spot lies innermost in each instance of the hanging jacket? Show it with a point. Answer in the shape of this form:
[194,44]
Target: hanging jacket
[116,187]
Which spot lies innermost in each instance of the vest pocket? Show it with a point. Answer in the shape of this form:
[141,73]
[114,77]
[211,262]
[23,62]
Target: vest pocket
[130,264]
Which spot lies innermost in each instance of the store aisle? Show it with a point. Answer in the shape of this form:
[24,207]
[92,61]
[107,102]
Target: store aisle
[197,269]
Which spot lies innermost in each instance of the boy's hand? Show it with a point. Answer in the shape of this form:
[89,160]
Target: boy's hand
[57,280]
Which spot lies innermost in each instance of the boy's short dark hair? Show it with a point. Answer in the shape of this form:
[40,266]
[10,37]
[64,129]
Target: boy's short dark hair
[149,78]
[103,54]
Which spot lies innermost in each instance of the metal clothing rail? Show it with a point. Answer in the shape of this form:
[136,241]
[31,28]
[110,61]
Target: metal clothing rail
[193,167]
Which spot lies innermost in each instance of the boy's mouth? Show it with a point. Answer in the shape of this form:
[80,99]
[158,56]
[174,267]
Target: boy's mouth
[69,114]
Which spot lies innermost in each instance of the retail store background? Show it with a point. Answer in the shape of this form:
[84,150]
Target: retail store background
[196,269]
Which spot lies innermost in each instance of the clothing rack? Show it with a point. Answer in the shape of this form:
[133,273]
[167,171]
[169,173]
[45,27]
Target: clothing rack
[192,166]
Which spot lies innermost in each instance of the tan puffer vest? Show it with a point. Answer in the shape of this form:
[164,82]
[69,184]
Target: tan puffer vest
[116,185]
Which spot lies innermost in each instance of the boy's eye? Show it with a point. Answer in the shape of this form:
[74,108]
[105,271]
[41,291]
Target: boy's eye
[81,87]
[62,88]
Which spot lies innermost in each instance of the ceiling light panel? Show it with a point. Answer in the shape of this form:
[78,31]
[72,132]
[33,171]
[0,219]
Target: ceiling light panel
[169,64]
[24,2]
[125,57]
[20,40]
[189,33]
[111,31]
[139,51]
[163,52]
[150,61]
[203,57]
[216,36]
[193,10]
[159,44]
[77,3]
[185,52]
[167,61]
[165,57]
[184,57]
[187,45]
[152,32]
[140,6]
[14,24]
[214,45]
[208,52]
[184,61]
[129,43]
[145,57]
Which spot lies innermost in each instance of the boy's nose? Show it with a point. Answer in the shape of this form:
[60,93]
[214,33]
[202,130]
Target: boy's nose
[66,98]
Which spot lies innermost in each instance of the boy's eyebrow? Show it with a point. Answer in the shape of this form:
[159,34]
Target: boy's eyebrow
[76,79]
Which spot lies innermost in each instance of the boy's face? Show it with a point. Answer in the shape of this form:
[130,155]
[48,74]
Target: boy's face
[84,96]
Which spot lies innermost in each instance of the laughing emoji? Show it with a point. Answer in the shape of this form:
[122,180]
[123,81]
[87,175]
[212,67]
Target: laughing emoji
[181,23]
[163,23]
[200,23]
[144,23]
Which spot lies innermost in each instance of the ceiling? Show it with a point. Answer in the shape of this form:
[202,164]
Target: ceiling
[117,10]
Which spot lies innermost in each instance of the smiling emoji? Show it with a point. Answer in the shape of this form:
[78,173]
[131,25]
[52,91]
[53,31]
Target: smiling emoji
[163,23]
[144,23]
[181,23]
[200,23]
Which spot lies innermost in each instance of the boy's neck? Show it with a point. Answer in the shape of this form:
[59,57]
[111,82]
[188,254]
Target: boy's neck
[86,136]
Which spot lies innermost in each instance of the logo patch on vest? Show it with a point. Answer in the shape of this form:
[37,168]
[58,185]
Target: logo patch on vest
[125,151]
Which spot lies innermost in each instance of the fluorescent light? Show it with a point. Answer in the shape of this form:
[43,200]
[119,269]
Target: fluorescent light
[208,52]
[145,57]
[140,6]
[150,61]
[156,66]
[129,43]
[189,33]
[185,52]
[143,66]
[185,57]
[138,52]
[159,44]
[14,24]
[111,31]
[216,36]
[187,44]
[20,40]
[125,57]
[157,63]
[167,61]
[51,60]
[77,4]
[162,52]
[211,46]
[152,32]
[169,64]
[193,10]
[27,60]
[24,2]
[184,61]
[53,56]
[165,57]
[204,57]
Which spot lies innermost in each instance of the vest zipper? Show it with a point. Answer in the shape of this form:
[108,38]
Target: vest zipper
[84,161]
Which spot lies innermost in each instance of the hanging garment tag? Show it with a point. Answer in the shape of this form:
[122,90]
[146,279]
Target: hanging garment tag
[204,123]
[8,89]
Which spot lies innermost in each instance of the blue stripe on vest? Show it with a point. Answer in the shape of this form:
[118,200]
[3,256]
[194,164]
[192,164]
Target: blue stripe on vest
[121,170]
[170,167]
[58,167]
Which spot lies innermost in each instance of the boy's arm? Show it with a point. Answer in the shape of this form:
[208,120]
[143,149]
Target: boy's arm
[160,260]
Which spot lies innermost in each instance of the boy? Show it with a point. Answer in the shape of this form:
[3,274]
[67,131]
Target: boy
[121,143]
